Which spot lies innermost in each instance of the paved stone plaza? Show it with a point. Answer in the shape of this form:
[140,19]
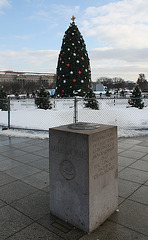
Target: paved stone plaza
[24,193]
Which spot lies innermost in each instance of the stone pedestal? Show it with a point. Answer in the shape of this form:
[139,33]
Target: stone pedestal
[83,175]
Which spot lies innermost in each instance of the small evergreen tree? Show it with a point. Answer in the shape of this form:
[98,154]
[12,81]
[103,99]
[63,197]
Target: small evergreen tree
[108,93]
[142,82]
[43,99]
[73,68]
[122,93]
[3,100]
[90,100]
[136,98]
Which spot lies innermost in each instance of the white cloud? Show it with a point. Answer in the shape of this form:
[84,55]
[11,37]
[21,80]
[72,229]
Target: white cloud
[125,63]
[29,60]
[22,37]
[119,54]
[4,4]
[64,10]
[119,24]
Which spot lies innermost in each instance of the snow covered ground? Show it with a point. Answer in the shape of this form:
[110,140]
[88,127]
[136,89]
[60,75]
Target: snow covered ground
[24,114]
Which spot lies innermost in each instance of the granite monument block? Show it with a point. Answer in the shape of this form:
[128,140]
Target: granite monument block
[83,174]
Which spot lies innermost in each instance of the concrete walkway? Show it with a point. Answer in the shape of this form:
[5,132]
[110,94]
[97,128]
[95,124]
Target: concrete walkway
[24,194]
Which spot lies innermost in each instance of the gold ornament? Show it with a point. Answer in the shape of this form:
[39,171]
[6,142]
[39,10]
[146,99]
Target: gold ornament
[73,18]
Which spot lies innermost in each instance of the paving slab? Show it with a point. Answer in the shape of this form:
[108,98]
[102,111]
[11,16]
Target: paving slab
[8,163]
[11,153]
[113,231]
[145,158]
[34,232]
[132,215]
[141,165]
[126,188]
[35,205]
[143,149]
[42,163]
[22,171]
[132,154]
[57,226]
[39,180]
[2,204]
[134,175]
[125,161]
[5,178]
[11,221]
[27,158]
[140,195]
[15,190]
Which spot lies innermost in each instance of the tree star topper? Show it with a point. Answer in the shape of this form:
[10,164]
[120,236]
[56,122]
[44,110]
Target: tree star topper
[73,18]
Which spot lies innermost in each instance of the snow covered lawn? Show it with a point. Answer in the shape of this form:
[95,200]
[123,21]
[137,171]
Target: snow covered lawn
[130,121]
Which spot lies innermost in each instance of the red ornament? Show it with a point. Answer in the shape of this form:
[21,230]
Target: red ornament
[82,43]
[62,90]
[68,64]
[60,59]
[82,58]
[74,80]
[58,77]
[79,72]
[63,52]
[75,47]
[88,86]
[70,39]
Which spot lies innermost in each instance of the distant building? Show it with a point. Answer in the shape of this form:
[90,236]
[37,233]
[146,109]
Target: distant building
[98,86]
[23,77]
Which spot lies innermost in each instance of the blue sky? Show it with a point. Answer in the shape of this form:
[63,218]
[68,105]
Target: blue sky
[115,33]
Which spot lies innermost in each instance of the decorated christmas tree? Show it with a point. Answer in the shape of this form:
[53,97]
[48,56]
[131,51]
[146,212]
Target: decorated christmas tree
[136,98]
[73,69]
